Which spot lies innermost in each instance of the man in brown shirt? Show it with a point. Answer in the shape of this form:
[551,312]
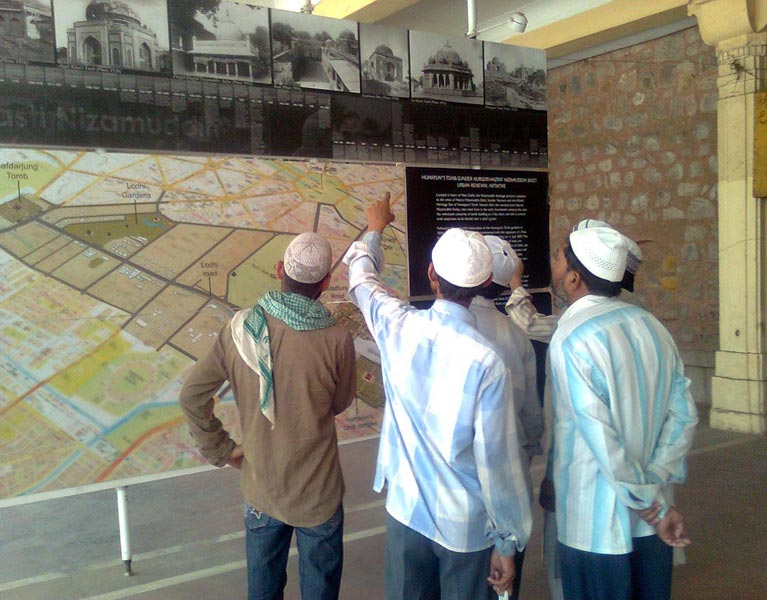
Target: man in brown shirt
[291,370]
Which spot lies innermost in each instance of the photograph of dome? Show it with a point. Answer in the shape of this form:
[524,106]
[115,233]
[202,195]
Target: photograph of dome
[385,61]
[26,31]
[230,41]
[315,52]
[114,34]
[446,69]
[515,77]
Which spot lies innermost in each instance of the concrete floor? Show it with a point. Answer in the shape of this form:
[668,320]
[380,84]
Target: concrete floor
[187,538]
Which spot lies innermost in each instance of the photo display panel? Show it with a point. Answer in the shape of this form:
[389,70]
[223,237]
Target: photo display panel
[225,76]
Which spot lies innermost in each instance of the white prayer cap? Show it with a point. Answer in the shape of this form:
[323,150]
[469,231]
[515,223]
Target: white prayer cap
[463,258]
[307,258]
[589,223]
[505,260]
[634,258]
[602,250]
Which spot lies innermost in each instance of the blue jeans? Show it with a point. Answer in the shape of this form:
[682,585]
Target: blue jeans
[417,568]
[320,556]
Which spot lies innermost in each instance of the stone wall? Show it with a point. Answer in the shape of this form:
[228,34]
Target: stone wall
[633,141]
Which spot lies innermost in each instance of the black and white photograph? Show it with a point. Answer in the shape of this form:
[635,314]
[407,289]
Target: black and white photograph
[130,34]
[26,31]
[385,61]
[515,77]
[443,68]
[315,52]
[220,40]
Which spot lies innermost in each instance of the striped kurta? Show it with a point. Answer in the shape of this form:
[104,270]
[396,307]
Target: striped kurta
[623,422]
[449,450]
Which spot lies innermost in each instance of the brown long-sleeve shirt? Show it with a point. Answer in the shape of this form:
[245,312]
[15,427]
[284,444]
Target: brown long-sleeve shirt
[291,472]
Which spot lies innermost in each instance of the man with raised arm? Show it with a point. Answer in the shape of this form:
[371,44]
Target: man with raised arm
[623,425]
[292,370]
[457,499]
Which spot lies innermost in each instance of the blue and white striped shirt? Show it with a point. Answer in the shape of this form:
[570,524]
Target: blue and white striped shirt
[623,422]
[449,449]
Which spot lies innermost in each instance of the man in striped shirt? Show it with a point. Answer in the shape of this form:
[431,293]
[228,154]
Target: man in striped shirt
[623,424]
[457,498]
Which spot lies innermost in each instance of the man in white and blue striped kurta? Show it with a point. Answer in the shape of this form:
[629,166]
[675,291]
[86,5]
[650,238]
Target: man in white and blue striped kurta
[457,500]
[623,424]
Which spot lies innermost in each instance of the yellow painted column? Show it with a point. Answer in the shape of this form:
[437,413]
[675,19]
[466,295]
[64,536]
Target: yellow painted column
[738,31]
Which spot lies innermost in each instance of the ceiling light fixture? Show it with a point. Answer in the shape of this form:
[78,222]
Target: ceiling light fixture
[516,22]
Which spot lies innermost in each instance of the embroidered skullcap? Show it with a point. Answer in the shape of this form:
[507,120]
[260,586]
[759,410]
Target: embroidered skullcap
[588,223]
[463,258]
[307,258]
[505,260]
[602,250]
[634,256]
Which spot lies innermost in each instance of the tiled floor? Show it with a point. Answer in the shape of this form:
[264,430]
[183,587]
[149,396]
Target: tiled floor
[187,539]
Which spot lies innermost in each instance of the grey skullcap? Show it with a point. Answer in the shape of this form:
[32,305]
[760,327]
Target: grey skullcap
[588,223]
[602,250]
[462,258]
[307,258]
[634,258]
[505,260]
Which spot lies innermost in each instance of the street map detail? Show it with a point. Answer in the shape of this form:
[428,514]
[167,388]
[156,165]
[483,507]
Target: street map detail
[116,273]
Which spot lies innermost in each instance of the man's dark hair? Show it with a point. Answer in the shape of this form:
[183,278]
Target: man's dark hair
[310,290]
[628,281]
[456,293]
[596,285]
[492,291]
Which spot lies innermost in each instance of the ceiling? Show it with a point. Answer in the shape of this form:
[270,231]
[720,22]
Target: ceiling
[566,29]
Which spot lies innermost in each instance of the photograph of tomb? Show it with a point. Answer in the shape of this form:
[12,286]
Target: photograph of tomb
[446,68]
[385,61]
[515,77]
[229,42]
[113,34]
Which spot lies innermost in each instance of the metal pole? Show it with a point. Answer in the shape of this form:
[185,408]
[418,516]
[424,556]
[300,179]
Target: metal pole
[471,7]
[122,516]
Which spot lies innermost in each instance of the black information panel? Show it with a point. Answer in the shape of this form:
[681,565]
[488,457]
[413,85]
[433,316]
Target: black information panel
[510,204]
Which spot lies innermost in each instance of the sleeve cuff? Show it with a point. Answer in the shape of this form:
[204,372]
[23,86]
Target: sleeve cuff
[506,547]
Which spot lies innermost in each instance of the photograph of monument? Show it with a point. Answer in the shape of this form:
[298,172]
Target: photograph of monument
[229,41]
[129,34]
[26,31]
[445,68]
[515,77]
[385,61]
[315,52]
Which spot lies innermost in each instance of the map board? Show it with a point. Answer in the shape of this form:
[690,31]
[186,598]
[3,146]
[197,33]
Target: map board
[116,272]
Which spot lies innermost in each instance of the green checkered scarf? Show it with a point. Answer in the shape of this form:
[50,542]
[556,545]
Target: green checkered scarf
[297,312]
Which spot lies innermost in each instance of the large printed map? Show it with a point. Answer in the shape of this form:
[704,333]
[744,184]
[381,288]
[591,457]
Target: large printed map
[116,273]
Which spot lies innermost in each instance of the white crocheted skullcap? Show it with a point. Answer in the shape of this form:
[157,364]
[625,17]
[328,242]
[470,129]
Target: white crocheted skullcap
[307,258]
[505,260]
[602,250]
[463,258]
[588,223]
[634,258]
